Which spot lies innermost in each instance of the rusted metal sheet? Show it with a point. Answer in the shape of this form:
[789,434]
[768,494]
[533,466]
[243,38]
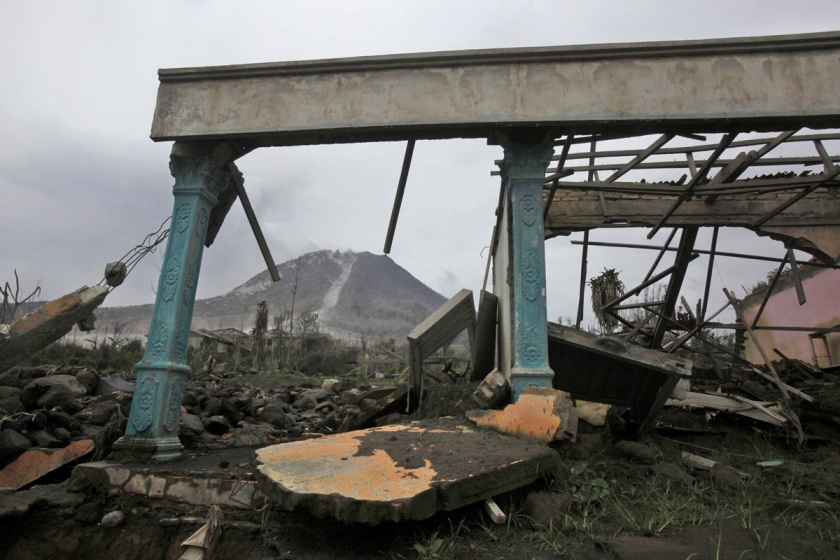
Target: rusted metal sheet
[34,464]
[544,414]
[607,370]
[399,472]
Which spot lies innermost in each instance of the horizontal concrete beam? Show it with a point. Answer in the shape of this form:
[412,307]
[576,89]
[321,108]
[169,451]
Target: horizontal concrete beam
[760,83]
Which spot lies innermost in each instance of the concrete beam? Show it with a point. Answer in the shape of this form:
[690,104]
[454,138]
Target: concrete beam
[759,83]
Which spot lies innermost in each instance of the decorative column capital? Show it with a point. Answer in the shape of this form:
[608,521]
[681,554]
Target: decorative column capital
[526,161]
[198,172]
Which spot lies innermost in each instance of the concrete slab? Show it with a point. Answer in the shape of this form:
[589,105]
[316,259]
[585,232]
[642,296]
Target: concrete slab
[35,463]
[399,472]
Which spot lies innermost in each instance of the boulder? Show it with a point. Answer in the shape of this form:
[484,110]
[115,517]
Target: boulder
[36,388]
[11,405]
[10,392]
[329,384]
[43,438]
[276,415]
[89,380]
[100,414]
[20,377]
[223,407]
[107,385]
[216,425]
[59,396]
[189,428]
[308,400]
[12,444]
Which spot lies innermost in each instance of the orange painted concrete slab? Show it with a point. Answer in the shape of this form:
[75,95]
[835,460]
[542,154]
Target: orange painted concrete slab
[400,471]
[35,463]
[538,413]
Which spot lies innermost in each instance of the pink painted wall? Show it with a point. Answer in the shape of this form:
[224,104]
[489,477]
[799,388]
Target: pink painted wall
[821,310]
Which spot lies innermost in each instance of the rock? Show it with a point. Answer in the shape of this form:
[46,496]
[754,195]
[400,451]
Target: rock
[58,419]
[189,400]
[59,396]
[12,405]
[352,397]
[546,507]
[636,450]
[275,415]
[20,377]
[672,471]
[12,444]
[89,513]
[217,425]
[101,414]
[725,475]
[190,423]
[113,519]
[89,380]
[107,385]
[309,399]
[223,407]
[37,421]
[43,438]
[252,435]
[492,392]
[63,434]
[35,389]
[10,392]
[329,384]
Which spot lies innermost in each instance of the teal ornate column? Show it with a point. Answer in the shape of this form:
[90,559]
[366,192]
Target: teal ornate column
[523,169]
[152,432]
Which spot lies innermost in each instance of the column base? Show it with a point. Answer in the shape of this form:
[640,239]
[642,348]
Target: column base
[521,378]
[146,450]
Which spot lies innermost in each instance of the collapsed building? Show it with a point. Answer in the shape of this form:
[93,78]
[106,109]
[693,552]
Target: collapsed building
[757,97]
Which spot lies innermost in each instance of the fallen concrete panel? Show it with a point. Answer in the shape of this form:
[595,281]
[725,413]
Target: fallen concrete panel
[544,414]
[34,464]
[399,472]
[49,323]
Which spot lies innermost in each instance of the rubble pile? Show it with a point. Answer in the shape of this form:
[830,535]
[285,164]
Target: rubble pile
[53,406]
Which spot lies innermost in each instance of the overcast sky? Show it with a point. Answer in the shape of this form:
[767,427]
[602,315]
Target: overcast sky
[82,183]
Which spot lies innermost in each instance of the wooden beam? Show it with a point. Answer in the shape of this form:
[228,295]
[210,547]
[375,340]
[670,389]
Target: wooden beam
[395,211]
[583,263]
[701,174]
[794,274]
[708,285]
[560,165]
[683,258]
[239,183]
[647,152]
[660,255]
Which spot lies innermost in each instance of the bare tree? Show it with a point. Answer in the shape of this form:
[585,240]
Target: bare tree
[292,312]
[12,299]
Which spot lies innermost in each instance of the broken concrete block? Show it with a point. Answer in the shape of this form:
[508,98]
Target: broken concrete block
[49,323]
[34,464]
[546,414]
[493,391]
[115,273]
[395,401]
[594,414]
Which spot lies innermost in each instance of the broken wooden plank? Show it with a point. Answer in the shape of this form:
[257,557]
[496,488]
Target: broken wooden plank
[724,403]
[496,514]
